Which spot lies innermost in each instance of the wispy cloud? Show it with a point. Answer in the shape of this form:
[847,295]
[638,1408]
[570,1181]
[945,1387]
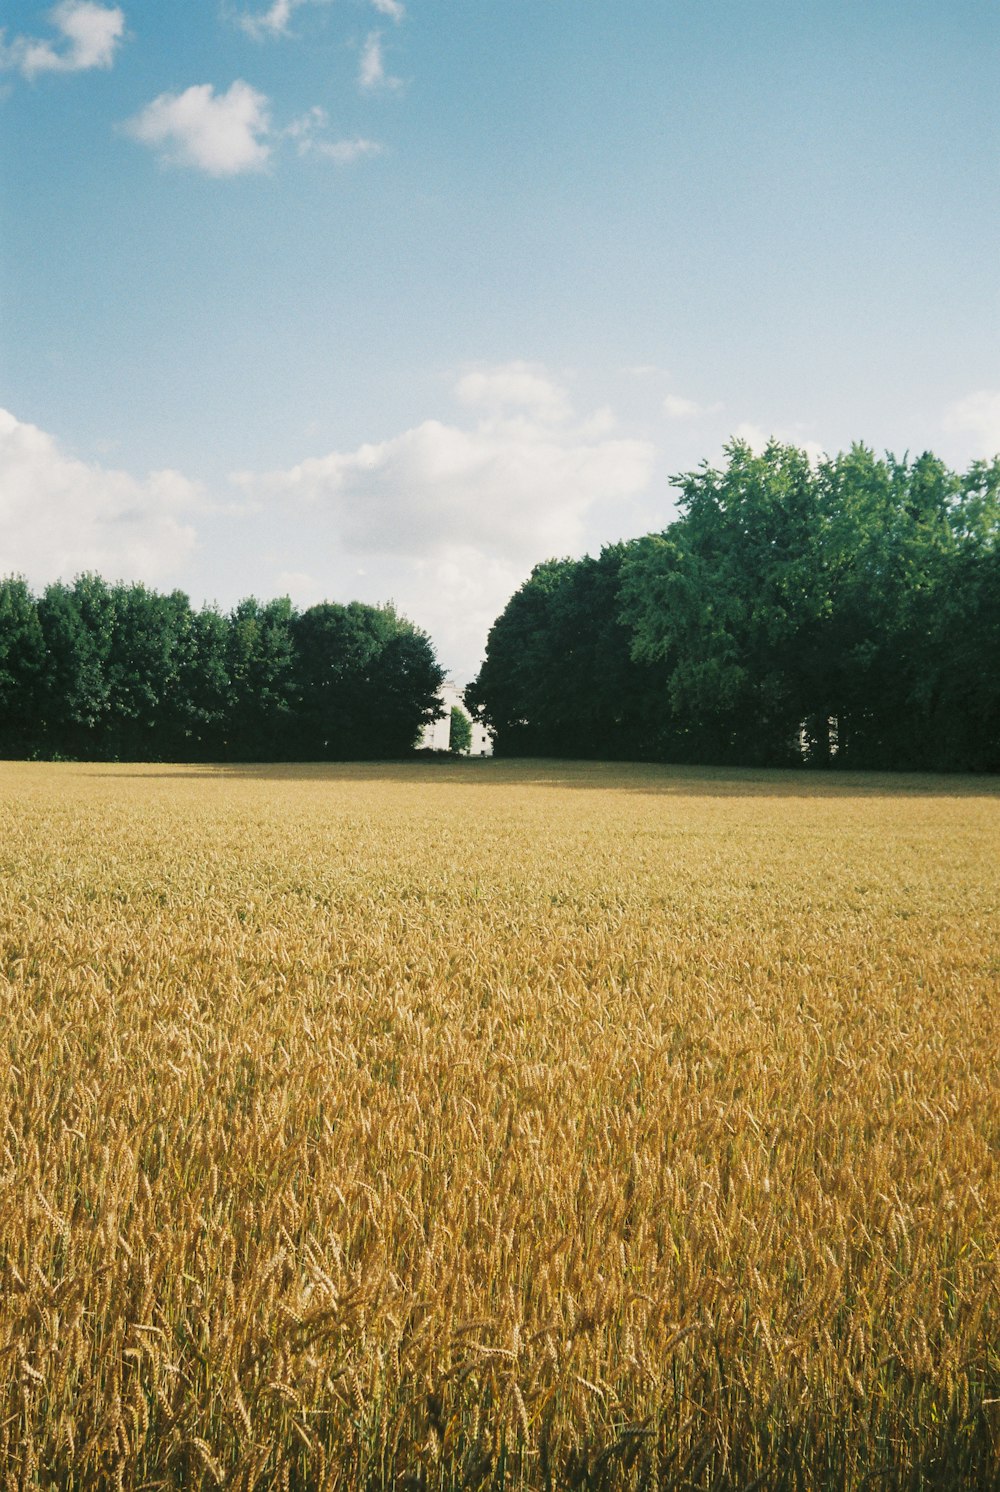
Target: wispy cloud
[303,129]
[757,438]
[677,408]
[306,133]
[372,75]
[346,152]
[274,21]
[89,37]
[221,134]
[391,8]
[271,22]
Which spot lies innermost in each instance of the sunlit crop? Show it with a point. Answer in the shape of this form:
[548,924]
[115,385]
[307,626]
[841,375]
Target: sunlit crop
[498,1125]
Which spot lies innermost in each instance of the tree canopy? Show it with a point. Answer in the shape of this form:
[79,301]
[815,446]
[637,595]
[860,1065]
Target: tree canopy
[842,610]
[119,672]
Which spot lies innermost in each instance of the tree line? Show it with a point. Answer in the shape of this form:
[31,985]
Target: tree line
[844,611]
[96,671]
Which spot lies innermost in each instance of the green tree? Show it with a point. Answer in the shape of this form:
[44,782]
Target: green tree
[822,607]
[510,692]
[405,678]
[198,722]
[459,732]
[77,623]
[558,678]
[367,682]
[22,666]
[724,599]
[263,689]
[141,672]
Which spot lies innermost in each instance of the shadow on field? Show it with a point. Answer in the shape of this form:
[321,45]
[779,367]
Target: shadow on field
[629,777]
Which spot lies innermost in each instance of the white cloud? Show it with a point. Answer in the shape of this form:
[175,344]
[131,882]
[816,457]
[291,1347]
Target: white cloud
[516,490]
[89,37]
[272,22]
[757,439]
[391,8]
[59,516]
[304,132]
[755,436]
[978,413]
[677,408]
[345,152]
[371,69]
[456,596]
[303,589]
[448,518]
[514,386]
[223,134]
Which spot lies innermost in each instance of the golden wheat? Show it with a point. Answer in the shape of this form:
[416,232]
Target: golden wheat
[498,1125]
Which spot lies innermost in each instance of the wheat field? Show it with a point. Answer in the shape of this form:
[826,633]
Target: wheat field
[498,1125]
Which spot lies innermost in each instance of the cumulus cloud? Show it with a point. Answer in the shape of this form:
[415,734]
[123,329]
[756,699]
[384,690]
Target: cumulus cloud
[222,134]
[60,516]
[455,596]
[516,386]
[979,414]
[448,518]
[514,489]
[89,36]
[371,70]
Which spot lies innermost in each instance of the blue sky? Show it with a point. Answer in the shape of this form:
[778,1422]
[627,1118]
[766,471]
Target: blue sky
[394,298]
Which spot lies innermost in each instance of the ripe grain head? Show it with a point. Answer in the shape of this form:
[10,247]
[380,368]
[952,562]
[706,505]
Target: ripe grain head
[361,1123]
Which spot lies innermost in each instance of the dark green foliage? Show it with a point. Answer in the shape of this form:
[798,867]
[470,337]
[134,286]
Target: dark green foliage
[845,612]
[366,682]
[103,672]
[22,665]
[261,721]
[559,678]
[75,688]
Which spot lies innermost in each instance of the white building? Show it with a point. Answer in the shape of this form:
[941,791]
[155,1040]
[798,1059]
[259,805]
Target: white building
[435,736]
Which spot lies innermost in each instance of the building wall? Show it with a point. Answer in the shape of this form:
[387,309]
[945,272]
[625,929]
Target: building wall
[435,736]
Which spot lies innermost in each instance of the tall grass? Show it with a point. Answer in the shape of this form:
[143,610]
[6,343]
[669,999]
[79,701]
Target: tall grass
[498,1126]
